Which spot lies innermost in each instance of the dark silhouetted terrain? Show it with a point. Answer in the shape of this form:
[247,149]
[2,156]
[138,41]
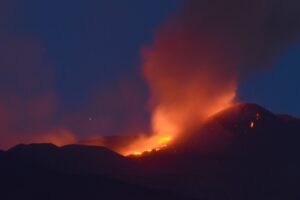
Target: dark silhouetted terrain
[244,152]
[44,171]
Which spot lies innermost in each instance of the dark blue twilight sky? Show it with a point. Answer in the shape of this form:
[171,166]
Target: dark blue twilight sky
[277,88]
[77,64]
[92,43]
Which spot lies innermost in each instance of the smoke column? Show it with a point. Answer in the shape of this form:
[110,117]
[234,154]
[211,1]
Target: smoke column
[201,54]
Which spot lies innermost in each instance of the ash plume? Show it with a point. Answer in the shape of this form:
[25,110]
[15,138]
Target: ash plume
[200,54]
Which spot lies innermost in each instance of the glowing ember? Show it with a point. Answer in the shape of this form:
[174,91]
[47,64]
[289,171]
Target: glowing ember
[258,117]
[252,124]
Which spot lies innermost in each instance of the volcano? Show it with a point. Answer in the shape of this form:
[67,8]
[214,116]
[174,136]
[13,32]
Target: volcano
[241,129]
[243,152]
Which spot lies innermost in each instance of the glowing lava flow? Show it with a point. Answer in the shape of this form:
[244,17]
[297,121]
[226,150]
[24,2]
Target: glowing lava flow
[147,145]
[167,126]
[164,132]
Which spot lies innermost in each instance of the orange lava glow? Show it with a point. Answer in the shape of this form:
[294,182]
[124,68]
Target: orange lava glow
[167,126]
[190,76]
[137,153]
[146,144]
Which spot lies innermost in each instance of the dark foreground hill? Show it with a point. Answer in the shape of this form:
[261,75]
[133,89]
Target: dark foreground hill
[38,183]
[44,171]
[74,159]
[244,152]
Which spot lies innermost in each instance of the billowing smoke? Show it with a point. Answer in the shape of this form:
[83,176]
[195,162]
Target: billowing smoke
[201,54]
[193,68]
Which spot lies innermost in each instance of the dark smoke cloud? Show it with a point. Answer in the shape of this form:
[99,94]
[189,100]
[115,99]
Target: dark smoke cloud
[252,32]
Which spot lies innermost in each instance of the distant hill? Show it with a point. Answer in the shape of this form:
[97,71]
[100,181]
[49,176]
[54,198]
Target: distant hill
[74,158]
[44,171]
[27,181]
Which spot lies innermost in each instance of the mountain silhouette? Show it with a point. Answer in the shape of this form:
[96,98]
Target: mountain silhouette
[243,152]
[247,127]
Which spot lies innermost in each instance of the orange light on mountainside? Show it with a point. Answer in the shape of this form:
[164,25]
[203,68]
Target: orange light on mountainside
[146,145]
[167,126]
